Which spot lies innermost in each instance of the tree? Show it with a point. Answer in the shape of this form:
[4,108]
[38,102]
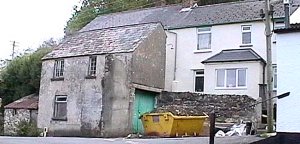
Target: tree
[21,76]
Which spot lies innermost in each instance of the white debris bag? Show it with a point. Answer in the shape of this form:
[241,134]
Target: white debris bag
[237,130]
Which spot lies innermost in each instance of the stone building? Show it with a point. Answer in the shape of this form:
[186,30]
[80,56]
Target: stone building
[24,109]
[97,83]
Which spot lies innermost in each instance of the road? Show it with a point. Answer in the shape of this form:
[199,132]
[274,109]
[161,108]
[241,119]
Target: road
[73,140]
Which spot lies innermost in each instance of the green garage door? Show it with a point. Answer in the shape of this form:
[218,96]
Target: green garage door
[144,102]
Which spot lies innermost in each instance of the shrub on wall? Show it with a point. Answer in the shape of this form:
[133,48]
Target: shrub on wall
[29,129]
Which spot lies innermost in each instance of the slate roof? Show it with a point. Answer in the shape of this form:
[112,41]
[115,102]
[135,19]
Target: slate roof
[27,102]
[171,17]
[234,55]
[292,28]
[109,40]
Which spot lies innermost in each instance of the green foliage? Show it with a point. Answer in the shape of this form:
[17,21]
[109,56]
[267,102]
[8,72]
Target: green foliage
[21,76]
[30,129]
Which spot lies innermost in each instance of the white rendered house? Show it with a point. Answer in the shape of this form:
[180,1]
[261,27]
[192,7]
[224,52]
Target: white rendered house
[196,34]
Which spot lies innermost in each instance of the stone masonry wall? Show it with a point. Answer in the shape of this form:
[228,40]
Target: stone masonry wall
[228,108]
[11,119]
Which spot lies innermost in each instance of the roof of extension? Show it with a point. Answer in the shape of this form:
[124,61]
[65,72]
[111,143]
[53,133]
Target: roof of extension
[235,55]
[27,102]
[292,28]
[172,18]
[110,40]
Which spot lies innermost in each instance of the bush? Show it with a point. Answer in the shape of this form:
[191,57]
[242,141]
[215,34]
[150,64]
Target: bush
[30,129]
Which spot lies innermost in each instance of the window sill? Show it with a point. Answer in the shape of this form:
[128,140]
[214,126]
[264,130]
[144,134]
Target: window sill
[59,119]
[246,45]
[57,79]
[90,77]
[231,88]
[203,51]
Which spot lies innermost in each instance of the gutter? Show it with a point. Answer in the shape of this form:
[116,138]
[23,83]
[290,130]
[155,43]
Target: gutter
[175,60]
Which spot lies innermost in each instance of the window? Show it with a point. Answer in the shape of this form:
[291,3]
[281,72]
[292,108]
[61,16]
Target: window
[274,77]
[204,38]
[59,68]
[14,112]
[231,78]
[92,66]
[246,34]
[60,107]
[199,80]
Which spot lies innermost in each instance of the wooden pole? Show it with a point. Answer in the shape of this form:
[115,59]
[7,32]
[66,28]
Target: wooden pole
[212,121]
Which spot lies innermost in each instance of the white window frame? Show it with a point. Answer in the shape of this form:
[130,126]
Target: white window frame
[92,71]
[199,32]
[56,102]
[59,68]
[247,31]
[225,78]
[198,75]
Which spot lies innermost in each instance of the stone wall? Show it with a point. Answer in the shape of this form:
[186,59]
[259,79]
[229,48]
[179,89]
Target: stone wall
[12,117]
[228,108]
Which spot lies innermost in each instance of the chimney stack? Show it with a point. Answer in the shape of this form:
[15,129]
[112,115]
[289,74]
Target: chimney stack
[286,13]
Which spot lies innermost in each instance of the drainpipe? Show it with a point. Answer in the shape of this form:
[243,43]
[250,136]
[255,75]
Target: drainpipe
[286,13]
[175,47]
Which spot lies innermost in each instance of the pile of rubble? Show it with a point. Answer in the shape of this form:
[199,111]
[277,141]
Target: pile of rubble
[179,110]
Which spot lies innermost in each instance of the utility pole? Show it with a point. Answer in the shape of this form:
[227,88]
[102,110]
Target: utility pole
[13,49]
[269,66]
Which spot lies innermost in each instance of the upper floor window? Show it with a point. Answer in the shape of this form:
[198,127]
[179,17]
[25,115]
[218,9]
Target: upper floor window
[92,66]
[231,78]
[246,34]
[199,80]
[204,38]
[59,68]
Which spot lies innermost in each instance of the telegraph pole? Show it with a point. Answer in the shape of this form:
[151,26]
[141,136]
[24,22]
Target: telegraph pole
[269,66]
[13,50]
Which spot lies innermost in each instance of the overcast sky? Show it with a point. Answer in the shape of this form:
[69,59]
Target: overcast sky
[30,22]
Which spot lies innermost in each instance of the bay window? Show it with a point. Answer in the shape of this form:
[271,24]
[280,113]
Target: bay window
[231,78]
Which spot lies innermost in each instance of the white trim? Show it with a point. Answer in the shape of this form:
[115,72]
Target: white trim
[203,50]
[60,96]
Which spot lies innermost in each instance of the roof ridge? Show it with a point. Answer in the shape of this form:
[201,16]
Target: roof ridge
[140,9]
[228,3]
[130,25]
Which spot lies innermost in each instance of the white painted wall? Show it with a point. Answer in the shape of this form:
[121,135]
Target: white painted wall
[295,17]
[288,108]
[170,60]
[227,36]
[254,75]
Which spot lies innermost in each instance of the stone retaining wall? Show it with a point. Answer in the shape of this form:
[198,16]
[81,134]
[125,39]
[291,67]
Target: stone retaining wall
[228,108]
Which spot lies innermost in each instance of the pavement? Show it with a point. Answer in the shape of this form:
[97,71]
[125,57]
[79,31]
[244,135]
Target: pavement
[76,140]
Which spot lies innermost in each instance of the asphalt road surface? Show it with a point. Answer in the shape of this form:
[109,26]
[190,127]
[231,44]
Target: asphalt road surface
[73,140]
